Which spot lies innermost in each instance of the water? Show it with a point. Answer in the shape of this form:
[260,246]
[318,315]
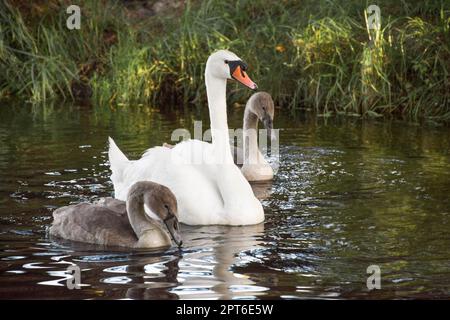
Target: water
[348,194]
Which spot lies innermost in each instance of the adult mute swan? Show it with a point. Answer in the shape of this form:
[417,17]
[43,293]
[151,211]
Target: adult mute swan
[113,222]
[209,188]
[254,167]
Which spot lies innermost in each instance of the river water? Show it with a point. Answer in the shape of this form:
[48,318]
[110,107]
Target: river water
[348,194]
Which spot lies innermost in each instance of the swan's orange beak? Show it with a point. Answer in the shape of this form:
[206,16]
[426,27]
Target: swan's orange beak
[241,76]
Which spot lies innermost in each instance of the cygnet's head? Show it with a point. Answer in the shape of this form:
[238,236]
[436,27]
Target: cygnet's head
[162,203]
[261,104]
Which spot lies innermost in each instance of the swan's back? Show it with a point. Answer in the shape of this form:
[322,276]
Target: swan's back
[189,170]
[102,223]
[180,169]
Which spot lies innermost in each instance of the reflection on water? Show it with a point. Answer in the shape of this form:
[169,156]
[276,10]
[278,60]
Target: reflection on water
[347,195]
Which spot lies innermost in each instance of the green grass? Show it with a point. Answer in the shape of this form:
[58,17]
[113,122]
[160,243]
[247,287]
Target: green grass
[311,54]
[41,59]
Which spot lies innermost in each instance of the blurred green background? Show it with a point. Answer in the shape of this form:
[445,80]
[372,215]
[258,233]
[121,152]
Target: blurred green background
[313,54]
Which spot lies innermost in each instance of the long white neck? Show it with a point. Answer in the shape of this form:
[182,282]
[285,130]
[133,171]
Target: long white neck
[234,189]
[250,135]
[216,91]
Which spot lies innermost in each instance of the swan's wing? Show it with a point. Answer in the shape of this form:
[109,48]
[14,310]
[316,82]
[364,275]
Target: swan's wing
[115,205]
[92,223]
[183,170]
[151,165]
[117,161]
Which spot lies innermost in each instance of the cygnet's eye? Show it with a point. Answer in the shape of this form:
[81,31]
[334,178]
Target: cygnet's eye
[175,226]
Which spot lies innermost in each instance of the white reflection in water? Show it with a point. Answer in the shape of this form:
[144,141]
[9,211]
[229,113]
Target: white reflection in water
[35,265]
[226,246]
[240,288]
[13,258]
[116,269]
[155,269]
[117,280]
[58,258]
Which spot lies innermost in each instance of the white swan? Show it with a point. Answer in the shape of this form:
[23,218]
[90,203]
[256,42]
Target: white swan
[113,222]
[209,188]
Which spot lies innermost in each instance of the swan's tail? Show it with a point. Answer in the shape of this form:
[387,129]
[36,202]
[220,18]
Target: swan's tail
[117,162]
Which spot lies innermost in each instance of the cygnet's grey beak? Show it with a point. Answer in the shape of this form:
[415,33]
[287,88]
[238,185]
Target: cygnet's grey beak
[173,226]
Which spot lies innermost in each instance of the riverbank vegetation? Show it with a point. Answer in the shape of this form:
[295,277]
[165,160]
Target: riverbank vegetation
[312,54]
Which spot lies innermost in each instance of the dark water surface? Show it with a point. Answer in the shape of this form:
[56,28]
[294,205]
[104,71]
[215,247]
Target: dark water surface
[348,194]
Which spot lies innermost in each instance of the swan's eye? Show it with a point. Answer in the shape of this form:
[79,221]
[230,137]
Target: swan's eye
[226,61]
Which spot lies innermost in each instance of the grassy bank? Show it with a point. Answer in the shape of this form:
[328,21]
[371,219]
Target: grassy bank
[308,54]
